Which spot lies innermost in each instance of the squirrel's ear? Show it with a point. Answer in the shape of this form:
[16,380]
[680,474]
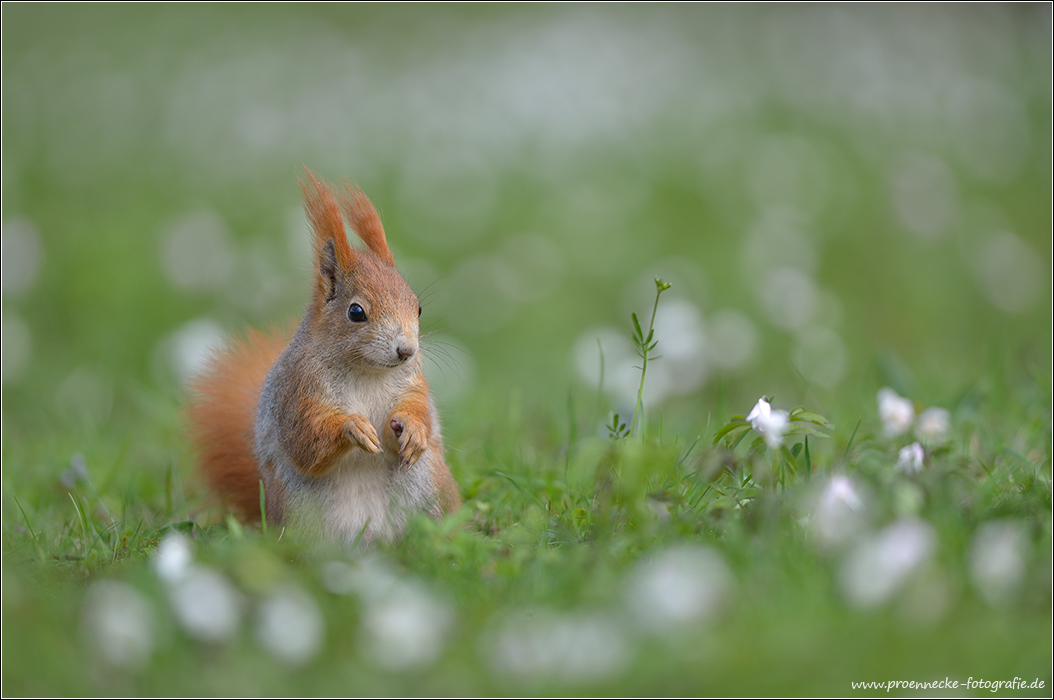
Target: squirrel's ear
[330,241]
[364,220]
[327,271]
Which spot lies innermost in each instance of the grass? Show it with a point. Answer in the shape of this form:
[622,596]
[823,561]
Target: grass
[843,199]
[553,530]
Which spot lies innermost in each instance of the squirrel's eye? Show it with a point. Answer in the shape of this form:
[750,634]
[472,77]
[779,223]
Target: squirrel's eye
[418,310]
[356,314]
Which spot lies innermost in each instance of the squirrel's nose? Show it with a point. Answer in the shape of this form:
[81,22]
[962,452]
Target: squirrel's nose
[405,352]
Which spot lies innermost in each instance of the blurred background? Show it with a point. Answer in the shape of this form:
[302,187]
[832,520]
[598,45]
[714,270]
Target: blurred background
[842,196]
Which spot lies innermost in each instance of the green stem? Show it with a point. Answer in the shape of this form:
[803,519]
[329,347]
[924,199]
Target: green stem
[638,410]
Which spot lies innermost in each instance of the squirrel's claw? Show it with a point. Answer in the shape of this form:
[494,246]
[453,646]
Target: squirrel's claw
[361,433]
[412,440]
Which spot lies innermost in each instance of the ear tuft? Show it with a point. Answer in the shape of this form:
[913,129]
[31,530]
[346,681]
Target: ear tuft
[365,221]
[324,214]
[333,256]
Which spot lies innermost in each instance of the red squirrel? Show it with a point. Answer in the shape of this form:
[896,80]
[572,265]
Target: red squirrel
[337,423]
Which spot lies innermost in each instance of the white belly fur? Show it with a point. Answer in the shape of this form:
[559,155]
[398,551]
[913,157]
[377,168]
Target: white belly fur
[371,495]
[361,498]
[368,495]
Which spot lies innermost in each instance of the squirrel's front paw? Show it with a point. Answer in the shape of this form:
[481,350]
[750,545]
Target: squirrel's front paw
[361,433]
[412,439]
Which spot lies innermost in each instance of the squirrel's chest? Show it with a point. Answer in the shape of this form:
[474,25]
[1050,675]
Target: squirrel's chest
[373,397]
[371,495]
[358,498]
[363,494]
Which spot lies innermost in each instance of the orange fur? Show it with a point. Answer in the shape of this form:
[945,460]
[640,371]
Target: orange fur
[267,408]
[416,407]
[365,221]
[324,214]
[408,429]
[316,447]
[222,415]
[449,500]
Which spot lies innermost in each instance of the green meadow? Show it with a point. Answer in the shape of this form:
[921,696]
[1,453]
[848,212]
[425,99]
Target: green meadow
[835,470]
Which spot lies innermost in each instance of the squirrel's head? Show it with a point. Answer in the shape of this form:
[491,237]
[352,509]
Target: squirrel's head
[362,309]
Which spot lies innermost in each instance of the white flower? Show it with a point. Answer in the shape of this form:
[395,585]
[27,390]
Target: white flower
[406,627]
[997,561]
[896,413]
[338,577]
[933,425]
[840,513]
[173,557]
[371,578]
[770,423]
[542,645]
[207,606]
[910,459]
[290,626]
[679,587]
[118,623]
[761,411]
[880,565]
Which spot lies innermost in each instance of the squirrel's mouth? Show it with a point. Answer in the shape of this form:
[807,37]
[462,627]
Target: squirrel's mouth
[371,363]
[367,360]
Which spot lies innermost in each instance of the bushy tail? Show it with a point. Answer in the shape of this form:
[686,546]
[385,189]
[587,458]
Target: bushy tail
[222,415]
